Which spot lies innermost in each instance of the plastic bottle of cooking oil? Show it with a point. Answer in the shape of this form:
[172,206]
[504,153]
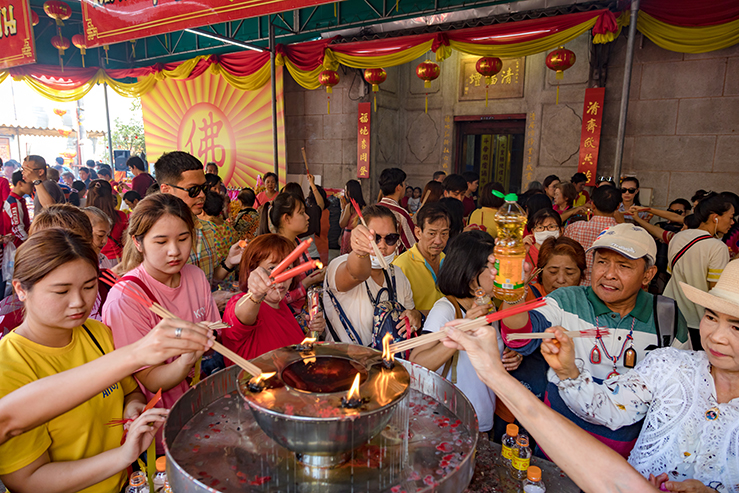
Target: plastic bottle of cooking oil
[521,458]
[509,251]
[509,441]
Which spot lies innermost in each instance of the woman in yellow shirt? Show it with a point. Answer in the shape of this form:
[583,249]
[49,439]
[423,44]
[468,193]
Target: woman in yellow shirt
[56,278]
[484,217]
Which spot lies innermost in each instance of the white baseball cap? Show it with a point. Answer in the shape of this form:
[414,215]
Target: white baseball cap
[629,240]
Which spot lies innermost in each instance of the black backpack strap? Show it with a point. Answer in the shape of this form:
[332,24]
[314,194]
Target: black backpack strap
[665,320]
[95,341]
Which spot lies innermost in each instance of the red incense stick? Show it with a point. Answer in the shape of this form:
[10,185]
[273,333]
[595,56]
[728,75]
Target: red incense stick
[302,247]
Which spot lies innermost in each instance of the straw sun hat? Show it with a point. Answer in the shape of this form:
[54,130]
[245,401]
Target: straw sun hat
[724,298]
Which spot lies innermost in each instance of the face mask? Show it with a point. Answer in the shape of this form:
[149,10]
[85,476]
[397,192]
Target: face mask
[376,262]
[540,236]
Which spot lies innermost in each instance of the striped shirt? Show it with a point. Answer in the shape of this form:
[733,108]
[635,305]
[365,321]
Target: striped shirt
[405,223]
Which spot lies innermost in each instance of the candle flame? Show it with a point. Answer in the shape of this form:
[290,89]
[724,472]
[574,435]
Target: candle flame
[386,354]
[263,376]
[354,391]
[319,265]
[307,341]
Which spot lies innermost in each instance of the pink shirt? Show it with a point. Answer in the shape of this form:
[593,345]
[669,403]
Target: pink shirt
[130,320]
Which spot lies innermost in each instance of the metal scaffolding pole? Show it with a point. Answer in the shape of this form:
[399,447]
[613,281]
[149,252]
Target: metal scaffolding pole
[107,118]
[625,92]
[272,55]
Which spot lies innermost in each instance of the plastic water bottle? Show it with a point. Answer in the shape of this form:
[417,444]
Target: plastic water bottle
[521,458]
[509,251]
[160,478]
[138,483]
[509,441]
[533,482]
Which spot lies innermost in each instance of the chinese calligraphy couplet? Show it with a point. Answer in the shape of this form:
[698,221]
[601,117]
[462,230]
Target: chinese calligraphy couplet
[592,116]
[16,34]
[363,140]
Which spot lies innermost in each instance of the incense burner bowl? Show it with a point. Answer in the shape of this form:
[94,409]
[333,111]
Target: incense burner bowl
[301,409]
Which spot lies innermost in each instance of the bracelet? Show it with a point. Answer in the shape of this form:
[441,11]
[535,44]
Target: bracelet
[223,264]
[253,299]
[361,256]
[521,299]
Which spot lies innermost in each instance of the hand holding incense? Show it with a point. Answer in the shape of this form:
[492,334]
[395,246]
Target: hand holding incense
[302,247]
[289,274]
[375,248]
[305,160]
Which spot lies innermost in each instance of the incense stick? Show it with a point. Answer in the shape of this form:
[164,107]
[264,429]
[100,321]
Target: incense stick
[516,336]
[375,248]
[305,160]
[425,198]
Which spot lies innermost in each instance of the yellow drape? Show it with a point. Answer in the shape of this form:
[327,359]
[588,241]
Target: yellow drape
[3,75]
[688,39]
[306,78]
[331,59]
[252,82]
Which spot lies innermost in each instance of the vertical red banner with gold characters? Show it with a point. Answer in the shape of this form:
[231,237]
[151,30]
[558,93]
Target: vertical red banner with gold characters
[592,116]
[363,140]
[216,122]
[16,34]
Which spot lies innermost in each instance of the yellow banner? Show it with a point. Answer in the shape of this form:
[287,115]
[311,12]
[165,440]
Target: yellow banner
[216,122]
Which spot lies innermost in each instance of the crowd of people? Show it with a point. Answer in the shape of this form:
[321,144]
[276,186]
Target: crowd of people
[652,381]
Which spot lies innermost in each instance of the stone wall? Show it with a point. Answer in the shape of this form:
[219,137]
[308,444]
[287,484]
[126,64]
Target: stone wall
[682,131]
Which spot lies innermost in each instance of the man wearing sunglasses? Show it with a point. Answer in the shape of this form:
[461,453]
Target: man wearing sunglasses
[181,174]
[47,192]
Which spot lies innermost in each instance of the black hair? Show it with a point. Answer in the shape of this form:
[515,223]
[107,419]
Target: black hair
[90,163]
[438,174]
[688,206]
[579,178]
[455,208]
[715,204]
[153,188]
[430,213]
[79,185]
[455,183]
[105,166]
[86,170]
[211,163]
[247,197]
[354,191]
[213,204]
[390,178]
[212,180]
[635,180]
[283,203]
[733,198]
[295,189]
[471,176]
[417,188]
[409,187]
[93,174]
[699,195]
[18,177]
[487,199]
[541,215]
[136,162]
[691,221]
[377,211]
[466,257]
[132,196]
[169,168]
[311,198]
[550,179]
[606,199]
[535,203]
[268,174]
[105,172]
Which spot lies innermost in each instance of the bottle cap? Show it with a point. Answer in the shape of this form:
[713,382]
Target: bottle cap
[511,430]
[162,463]
[137,479]
[533,474]
[522,441]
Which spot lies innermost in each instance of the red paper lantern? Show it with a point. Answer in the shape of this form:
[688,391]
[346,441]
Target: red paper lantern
[34,18]
[375,76]
[57,10]
[60,112]
[560,60]
[488,66]
[60,43]
[427,71]
[328,79]
[78,41]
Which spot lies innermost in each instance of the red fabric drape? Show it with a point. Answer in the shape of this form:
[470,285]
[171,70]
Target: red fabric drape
[692,12]
[242,64]
[306,56]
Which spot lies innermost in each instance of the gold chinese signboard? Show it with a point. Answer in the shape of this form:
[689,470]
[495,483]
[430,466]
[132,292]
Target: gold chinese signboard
[363,140]
[508,83]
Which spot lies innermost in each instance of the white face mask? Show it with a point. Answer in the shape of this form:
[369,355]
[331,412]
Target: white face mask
[540,236]
[376,262]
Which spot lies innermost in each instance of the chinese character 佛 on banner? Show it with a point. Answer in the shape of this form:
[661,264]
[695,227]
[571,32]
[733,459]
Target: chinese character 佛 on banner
[592,115]
[363,140]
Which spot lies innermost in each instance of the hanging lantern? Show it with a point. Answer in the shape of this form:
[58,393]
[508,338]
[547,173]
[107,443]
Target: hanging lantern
[60,43]
[34,18]
[560,60]
[328,79]
[488,66]
[78,41]
[59,112]
[64,132]
[427,71]
[57,10]
[375,76]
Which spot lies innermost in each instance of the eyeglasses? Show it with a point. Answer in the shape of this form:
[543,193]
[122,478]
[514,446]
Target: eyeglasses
[629,190]
[193,191]
[676,211]
[551,227]
[390,239]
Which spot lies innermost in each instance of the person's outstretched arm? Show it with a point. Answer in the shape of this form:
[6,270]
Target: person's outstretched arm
[44,399]
[590,464]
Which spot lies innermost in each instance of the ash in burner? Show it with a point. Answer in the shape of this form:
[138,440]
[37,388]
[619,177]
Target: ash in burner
[323,374]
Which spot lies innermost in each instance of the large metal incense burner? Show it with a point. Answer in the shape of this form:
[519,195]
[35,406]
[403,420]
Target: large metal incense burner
[323,417]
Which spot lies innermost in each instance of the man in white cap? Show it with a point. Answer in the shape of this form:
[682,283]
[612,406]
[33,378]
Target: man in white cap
[623,265]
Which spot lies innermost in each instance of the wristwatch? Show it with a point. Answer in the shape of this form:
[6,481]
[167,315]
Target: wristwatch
[37,183]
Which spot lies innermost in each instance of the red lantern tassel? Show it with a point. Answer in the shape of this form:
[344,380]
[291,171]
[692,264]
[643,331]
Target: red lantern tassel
[557,99]
[427,103]
[375,103]
[486,95]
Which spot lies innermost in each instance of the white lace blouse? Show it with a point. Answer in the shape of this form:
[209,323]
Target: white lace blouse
[686,433]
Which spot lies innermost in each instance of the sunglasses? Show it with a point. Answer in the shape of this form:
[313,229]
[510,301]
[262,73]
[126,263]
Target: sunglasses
[629,190]
[676,211]
[193,191]
[390,239]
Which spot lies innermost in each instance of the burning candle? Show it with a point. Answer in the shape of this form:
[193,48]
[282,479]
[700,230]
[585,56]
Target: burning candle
[302,247]
[257,383]
[388,358]
[289,274]
[352,399]
[306,344]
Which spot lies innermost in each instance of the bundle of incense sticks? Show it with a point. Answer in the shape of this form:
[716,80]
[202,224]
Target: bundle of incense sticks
[533,275]
[111,279]
[150,405]
[466,325]
[305,160]
[375,248]
[516,336]
[288,274]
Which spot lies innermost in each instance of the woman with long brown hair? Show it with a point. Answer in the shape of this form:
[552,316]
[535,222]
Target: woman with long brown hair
[100,195]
